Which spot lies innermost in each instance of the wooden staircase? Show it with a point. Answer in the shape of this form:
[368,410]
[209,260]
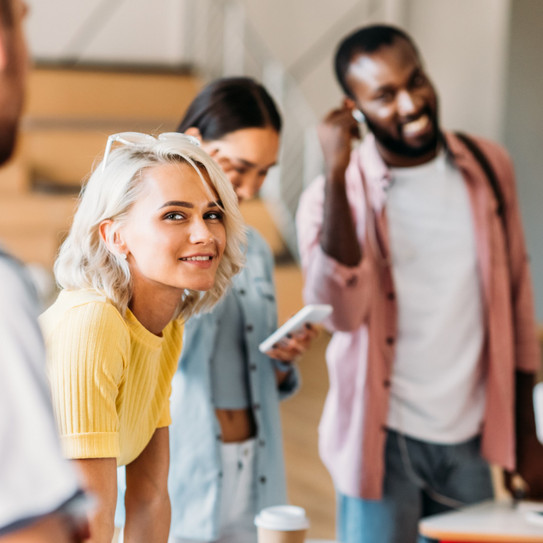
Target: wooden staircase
[68,116]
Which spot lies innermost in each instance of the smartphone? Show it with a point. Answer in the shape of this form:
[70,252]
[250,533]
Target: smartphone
[311,313]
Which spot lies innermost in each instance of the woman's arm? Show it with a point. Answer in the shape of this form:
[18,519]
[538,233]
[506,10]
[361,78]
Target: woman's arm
[100,481]
[147,502]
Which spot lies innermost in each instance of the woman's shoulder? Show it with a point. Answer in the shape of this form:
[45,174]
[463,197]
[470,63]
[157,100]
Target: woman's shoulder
[256,244]
[83,308]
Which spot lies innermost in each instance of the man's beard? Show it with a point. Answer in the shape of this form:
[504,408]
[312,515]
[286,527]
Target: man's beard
[399,147]
[8,137]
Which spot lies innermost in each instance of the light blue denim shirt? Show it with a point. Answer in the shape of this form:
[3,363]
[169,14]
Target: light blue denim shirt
[195,435]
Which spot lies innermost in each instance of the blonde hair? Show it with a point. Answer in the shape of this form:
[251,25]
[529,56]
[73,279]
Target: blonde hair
[84,260]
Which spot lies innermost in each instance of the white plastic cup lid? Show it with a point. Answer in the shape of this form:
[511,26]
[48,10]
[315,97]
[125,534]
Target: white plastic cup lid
[286,518]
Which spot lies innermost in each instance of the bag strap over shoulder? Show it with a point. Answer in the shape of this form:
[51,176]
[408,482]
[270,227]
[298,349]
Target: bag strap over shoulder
[483,161]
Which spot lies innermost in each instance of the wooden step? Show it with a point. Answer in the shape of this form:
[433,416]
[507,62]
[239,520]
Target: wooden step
[33,211]
[32,226]
[97,95]
[15,176]
[39,247]
[62,157]
[70,113]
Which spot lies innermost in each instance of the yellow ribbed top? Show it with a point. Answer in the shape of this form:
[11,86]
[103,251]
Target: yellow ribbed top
[110,377]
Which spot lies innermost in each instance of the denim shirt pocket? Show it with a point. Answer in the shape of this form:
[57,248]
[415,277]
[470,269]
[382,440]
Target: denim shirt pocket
[266,295]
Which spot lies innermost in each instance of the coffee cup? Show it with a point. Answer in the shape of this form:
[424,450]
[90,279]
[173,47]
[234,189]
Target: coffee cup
[282,524]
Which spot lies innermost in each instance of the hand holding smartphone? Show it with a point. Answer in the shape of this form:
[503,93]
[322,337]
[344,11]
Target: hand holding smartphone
[312,313]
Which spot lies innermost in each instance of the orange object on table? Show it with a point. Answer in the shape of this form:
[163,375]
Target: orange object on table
[486,522]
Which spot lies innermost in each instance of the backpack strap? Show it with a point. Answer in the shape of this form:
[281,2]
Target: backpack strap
[483,161]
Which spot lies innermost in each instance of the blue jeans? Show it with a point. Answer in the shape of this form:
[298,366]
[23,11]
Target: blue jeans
[421,479]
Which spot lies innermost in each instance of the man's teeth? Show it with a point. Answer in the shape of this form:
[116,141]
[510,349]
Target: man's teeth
[196,258]
[415,126]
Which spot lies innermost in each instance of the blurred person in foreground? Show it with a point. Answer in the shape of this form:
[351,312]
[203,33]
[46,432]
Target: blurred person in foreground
[414,236]
[156,238]
[39,496]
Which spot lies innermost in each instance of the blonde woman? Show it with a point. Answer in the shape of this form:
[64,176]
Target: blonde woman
[157,225]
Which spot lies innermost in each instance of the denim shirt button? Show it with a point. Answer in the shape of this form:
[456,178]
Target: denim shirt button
[249,328]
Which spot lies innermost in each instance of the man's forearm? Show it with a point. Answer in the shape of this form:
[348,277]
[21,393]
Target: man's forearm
[338,236]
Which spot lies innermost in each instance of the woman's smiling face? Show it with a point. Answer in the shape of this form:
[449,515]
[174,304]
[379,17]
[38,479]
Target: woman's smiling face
[245,156]
[174,234]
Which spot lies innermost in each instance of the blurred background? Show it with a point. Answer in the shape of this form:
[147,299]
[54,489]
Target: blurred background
[104,66]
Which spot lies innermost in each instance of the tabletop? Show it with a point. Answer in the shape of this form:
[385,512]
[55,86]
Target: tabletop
[490,521]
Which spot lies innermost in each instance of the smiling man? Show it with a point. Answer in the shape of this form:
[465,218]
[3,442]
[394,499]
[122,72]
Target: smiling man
[433,320]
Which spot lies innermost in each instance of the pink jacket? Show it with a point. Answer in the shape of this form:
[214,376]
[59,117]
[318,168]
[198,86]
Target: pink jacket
[360,355]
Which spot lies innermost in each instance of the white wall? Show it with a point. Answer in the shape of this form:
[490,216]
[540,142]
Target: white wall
[465,45]
[295,30]
[524,126]
[124,31]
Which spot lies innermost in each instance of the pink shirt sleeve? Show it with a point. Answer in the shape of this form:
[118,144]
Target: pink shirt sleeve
[327,280]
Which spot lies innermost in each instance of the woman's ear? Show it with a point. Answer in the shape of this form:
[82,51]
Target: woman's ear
[110,235]
[194,132]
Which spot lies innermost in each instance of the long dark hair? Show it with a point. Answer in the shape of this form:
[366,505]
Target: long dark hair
[229,104]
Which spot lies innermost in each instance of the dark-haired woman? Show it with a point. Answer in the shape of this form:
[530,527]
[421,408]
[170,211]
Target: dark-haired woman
[226,448]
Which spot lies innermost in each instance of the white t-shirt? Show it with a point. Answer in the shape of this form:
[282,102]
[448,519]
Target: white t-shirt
[34,477]
[437,385]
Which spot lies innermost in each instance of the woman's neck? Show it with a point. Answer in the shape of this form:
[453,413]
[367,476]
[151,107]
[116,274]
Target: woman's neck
[153,313]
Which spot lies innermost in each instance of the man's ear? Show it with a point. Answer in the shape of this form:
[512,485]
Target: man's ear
[111,236]
[349,103]
[194,132]
[356,112]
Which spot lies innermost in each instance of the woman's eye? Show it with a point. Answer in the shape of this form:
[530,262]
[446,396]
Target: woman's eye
[173,216]
[214,215]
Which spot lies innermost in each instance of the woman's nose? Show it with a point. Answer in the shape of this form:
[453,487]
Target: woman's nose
[199,232]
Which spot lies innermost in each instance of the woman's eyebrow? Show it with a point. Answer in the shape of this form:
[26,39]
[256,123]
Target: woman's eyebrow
[179,203]
[250,164]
